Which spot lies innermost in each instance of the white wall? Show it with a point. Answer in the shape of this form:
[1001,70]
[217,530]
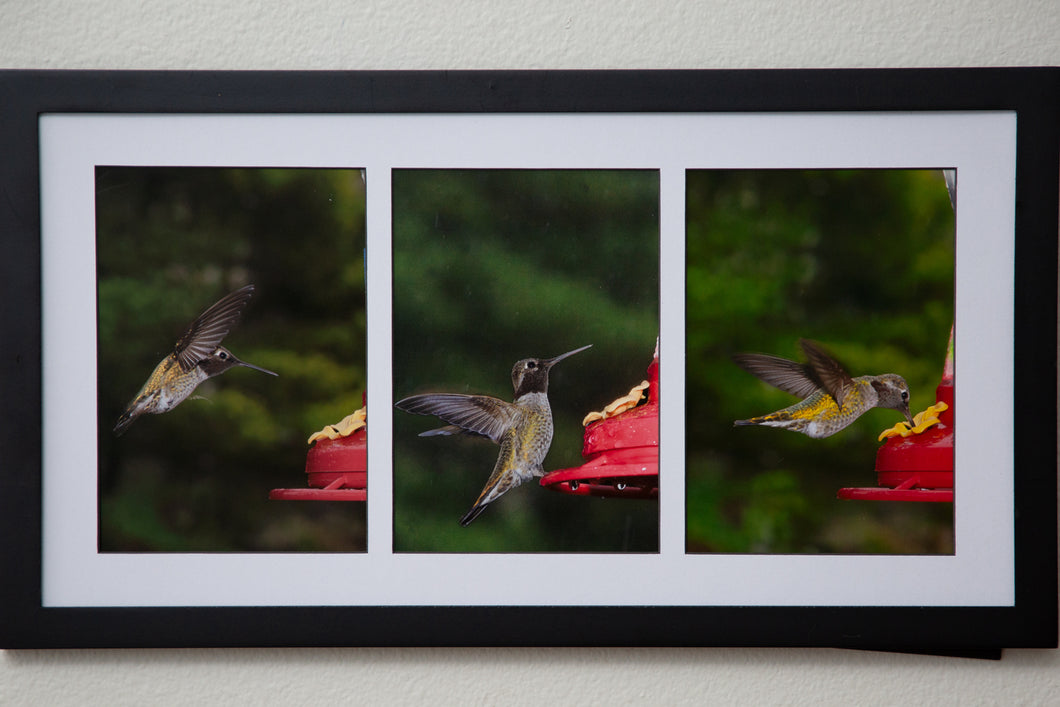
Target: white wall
[483,34]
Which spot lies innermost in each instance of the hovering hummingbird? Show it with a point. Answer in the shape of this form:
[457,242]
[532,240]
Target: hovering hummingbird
[523,428]
[197,356]
[831,398]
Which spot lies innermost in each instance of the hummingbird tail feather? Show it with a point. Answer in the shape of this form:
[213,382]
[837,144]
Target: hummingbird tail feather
[773,419]
[123,424]
[474,513]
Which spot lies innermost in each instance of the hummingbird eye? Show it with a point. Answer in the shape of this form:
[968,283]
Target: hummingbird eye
[531,364]
[905,395]
[222,355]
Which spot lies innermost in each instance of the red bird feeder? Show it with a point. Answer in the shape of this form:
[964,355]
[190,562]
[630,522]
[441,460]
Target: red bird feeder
[621,452]
[336,470]
[918,467]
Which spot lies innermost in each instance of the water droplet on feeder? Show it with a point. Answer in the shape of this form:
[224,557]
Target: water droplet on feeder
[620,486]
[574,486]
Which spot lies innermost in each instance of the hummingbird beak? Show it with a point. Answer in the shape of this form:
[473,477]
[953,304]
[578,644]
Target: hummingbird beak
[553,361]
[905,411]
[256,368]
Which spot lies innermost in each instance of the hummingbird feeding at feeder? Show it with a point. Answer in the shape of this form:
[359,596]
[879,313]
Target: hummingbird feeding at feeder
[197,356]
[832,400]
[523,428]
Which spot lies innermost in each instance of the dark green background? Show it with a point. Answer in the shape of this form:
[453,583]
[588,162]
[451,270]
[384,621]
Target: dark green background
[170,242]
[498,265]
[490,267]
[861,261]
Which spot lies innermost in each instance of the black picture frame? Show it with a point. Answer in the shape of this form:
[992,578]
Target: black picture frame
[1032,94]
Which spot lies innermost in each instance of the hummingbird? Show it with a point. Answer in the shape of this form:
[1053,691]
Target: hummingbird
[197,356]
[831,398]
[523,428]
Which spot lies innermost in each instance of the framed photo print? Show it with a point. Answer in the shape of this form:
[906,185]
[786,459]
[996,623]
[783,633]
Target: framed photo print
[530,358]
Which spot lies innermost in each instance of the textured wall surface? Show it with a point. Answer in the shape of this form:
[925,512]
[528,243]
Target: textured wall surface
[483,34]
[492,34]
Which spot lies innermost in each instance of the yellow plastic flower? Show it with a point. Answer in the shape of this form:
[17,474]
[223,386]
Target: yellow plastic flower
[636,394]
[921,421]
[348,425]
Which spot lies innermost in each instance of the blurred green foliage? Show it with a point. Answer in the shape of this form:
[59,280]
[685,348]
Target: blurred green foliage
[860,260]
[492,266]
[170,242]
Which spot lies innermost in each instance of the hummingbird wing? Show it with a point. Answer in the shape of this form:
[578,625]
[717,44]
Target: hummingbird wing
[791,377]
[209,328]
[478,414]
[833,377]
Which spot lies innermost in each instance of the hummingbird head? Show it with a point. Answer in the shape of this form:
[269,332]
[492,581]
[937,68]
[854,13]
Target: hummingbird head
[531,374]
[221,359]
[893,393]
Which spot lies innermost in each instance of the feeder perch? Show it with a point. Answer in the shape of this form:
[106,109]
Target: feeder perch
[336,470]
[917,467]
[621,452]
